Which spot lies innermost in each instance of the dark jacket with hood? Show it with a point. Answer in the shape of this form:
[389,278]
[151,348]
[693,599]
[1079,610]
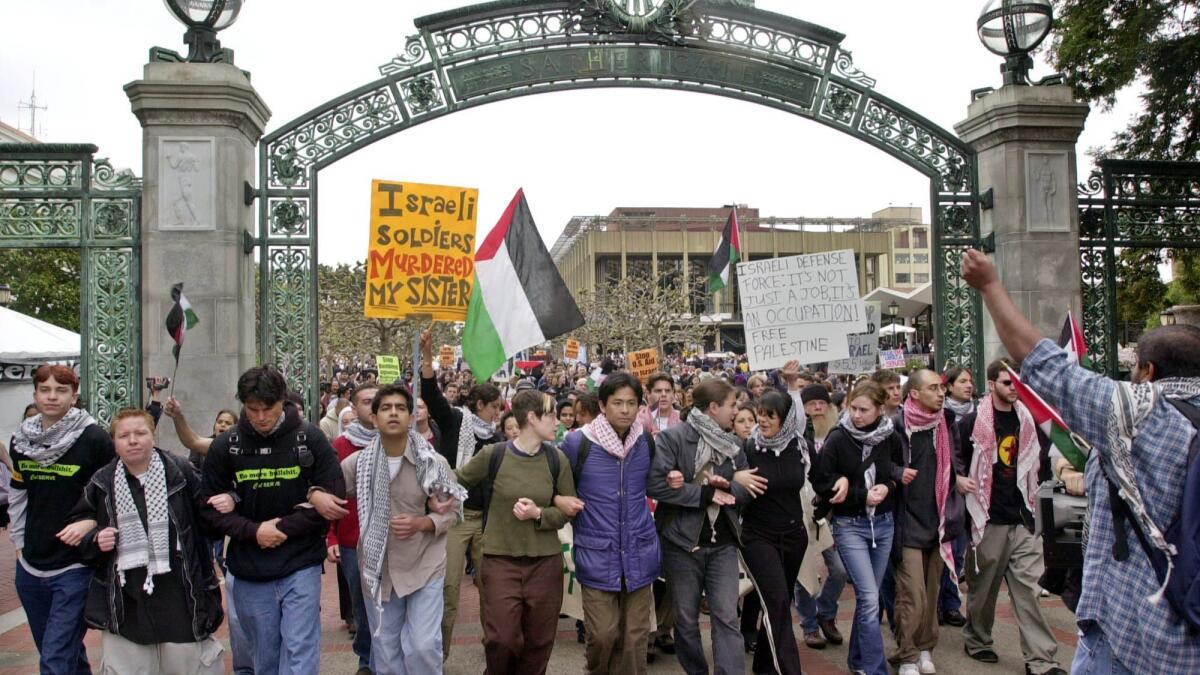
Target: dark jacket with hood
[449,421]
[147,619]
[271,476]
[955,505]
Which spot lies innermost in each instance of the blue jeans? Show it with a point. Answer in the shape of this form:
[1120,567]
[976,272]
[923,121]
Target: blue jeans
[54,606]
[362,637]
[865,549]
[239,641]
[949,599]
[825,607]
[282,619]
[712,571]
[407,638]
[1093,655]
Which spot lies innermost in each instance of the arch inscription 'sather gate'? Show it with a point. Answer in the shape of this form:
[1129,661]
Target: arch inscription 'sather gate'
[500,50]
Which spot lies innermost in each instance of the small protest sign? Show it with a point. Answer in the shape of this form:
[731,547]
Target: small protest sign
[571,351]
[389,368]
[421,255]
[800,307]
[864,347]
[446,356]
[891,359]
[643,363]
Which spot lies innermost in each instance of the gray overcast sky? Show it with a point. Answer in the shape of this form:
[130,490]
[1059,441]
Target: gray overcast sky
[575,153]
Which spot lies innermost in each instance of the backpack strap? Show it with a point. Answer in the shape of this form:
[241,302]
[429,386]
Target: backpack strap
[551,453]
[585,447]
[497,456]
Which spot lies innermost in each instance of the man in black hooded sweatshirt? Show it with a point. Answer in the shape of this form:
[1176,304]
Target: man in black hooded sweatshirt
[271,461]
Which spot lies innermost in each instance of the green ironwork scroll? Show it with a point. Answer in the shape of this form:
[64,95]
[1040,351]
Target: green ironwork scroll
[55,195]
[1129,204]
[500,50]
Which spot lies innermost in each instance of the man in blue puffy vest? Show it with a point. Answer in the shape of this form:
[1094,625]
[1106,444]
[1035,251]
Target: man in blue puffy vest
[616,545]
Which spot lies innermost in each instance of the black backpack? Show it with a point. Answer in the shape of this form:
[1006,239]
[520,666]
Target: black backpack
[1182,590]
[499,450]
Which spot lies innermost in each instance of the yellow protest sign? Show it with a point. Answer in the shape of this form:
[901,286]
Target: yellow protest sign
[643,363]
[446,355]
[389,368]
[421,256]
[571,351]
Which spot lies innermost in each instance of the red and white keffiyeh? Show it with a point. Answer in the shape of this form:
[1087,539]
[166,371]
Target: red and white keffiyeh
[601,433]
[916,420]
[1028,453]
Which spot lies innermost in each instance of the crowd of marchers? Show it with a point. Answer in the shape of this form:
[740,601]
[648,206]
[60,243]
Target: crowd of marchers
[705,488]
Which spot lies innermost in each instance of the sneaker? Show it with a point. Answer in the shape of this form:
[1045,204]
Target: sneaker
[832,634]
[984,655]
[814,640]
[908,669]
[925,664]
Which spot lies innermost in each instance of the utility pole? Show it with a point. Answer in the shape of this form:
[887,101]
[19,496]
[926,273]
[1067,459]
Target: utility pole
[32,106]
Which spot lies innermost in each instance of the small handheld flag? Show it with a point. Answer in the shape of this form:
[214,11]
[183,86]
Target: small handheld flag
[180,319]
[1073,448]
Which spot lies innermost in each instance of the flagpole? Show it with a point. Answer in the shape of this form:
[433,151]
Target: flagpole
[171,394]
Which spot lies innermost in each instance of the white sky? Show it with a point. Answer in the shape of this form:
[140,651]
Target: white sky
[575,153]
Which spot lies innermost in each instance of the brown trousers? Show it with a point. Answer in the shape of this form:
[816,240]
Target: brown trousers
[918,580]
[618,628]
[523,597]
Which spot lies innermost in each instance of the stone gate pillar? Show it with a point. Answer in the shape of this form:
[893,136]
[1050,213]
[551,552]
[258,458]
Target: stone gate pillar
[201,123]
[1025,139]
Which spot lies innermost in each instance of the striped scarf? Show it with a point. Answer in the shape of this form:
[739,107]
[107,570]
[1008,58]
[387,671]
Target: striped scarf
[139,545]
[916,420]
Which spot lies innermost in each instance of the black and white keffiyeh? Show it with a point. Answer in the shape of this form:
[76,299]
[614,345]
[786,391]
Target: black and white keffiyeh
[716,445]
[1131,405]
[792,427]
[960,408]
[869,440]
[46,446]
[373,486]
[143,545]
[358,435]
[473,428]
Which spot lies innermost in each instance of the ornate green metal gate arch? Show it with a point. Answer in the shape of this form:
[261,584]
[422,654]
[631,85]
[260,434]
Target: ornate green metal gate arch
[60,196]
[500,50]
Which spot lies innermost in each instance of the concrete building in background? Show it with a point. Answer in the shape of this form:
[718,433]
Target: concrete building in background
[891,247]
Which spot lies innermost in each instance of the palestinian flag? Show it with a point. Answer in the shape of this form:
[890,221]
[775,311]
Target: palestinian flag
[728,252]
[520,299]
[180,319]
[1073,448]
[595,380]
[1072,342]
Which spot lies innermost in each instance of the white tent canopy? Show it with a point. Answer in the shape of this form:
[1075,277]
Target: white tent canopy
[24,338]
[908,305]
[894,328]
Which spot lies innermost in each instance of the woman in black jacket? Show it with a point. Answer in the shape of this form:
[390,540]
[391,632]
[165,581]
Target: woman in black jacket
[774,537]
[853,477]
[153,591]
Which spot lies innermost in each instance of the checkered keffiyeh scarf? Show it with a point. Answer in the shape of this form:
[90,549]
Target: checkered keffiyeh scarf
[1132,404]
[869,440]
[374,482]
[358,435]
[473,429]
[916,420]
[986,446]
[792,427]
[716,445]
[600,432]
[143,545]
[46,446]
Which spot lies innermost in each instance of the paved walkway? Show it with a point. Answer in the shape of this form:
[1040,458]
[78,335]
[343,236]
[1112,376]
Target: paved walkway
[18,655]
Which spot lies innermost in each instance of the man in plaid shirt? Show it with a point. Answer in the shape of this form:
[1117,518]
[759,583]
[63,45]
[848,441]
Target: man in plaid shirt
[1121,630]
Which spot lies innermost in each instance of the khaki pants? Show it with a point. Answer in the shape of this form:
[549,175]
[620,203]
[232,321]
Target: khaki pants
[466,535]
[1012,553]
[918,581]
[122,657]
[618,628]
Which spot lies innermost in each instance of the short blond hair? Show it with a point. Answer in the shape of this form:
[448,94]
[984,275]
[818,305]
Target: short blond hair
[128,413]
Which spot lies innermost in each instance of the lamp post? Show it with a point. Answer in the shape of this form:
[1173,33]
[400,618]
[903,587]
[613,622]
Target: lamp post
[893,310]
[5,295]
[203,19]
[1013,29]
